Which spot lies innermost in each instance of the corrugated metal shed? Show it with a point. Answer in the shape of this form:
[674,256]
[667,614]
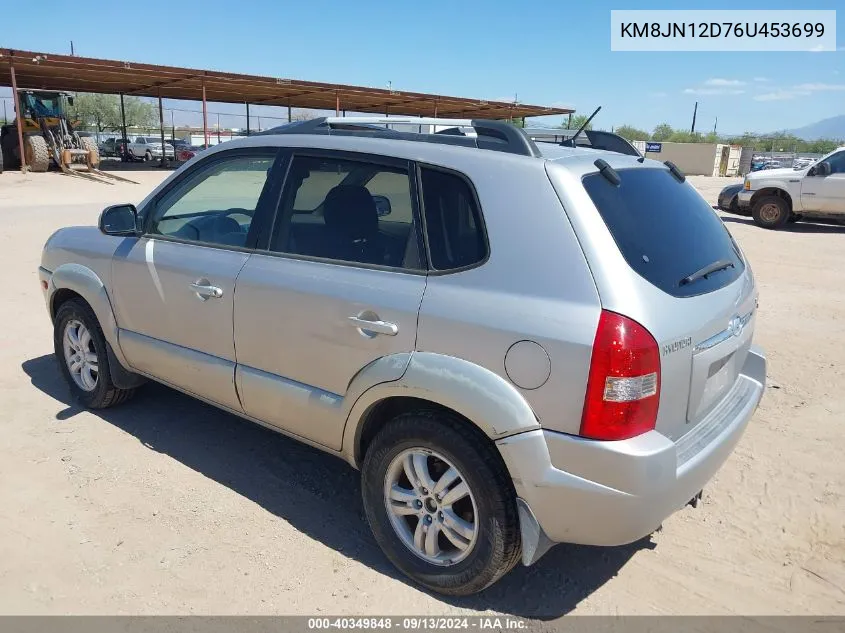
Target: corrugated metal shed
[85,74]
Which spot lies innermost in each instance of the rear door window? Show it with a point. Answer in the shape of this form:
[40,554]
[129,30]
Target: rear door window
[666,231]
[453,222]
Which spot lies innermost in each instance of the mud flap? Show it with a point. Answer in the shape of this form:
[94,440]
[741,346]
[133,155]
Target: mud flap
[535,543]
[120,376]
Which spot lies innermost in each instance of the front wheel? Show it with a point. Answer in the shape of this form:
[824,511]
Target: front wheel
[770,212]
[83,356]
[440,503]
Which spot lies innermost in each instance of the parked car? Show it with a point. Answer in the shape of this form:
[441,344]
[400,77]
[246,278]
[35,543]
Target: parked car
[187,153]
[782,195]
[147,148]
[729,199]
[112,147]
[516,346]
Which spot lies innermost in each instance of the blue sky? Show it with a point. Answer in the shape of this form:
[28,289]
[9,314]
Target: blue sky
[553,53]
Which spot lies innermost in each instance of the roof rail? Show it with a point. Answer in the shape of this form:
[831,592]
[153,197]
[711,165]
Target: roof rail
[493,135]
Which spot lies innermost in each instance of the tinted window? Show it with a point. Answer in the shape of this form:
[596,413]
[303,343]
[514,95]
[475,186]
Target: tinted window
[837,163]
[665,230]
[452,220]
[347,210]
[216,204]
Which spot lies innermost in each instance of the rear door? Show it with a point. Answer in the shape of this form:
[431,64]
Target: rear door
[338,287]
[683,278]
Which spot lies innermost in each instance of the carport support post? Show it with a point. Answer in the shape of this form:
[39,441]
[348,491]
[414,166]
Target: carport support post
[124,141]
[163,162]
[204,114]
[336,103]
[18,115]
[247,119]
[289,117]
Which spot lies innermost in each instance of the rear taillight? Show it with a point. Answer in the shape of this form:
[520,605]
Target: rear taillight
[623,389]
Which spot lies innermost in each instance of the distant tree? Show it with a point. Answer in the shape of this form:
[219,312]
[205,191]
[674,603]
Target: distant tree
[631,133]
[577,121]
[662,132]
[102,112]
[301,115]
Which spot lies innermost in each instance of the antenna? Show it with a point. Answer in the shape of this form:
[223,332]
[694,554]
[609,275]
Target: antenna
[571,141]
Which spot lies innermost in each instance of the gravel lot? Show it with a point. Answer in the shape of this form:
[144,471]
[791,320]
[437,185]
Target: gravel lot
[167,505]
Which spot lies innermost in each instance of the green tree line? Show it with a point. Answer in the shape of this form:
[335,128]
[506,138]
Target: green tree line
[779,141]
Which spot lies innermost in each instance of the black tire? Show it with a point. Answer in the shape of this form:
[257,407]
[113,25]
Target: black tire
[37,153]
[148,156]
[498,545]
[104,394]
[771,212]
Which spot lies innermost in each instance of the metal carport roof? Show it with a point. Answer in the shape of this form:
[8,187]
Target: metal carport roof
[85,74]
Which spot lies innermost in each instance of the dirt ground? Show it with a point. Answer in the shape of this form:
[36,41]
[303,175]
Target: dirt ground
[167,505]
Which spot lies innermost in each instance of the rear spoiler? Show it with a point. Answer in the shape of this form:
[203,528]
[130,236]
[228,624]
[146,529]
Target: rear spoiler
[594,139]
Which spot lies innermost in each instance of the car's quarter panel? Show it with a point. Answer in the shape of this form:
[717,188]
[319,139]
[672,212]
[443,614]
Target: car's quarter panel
[533,301]
[167,330]
[297,349]
[489,401]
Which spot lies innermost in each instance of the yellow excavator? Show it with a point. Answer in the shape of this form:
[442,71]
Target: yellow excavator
[50,136]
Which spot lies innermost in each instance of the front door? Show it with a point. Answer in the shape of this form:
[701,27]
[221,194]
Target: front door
[339,288]
[174,286]
[826,193]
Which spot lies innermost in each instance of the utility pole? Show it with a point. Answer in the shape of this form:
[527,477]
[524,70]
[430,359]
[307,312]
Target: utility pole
[71,48]
[694,112]
[715,123]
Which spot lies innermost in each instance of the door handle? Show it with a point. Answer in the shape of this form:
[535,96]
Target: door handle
[376,327]
[206,291]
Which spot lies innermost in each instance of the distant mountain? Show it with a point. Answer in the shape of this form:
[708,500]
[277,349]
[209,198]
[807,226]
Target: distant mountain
[832,128]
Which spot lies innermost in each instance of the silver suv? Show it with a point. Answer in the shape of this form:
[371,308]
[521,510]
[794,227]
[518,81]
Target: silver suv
[517,343]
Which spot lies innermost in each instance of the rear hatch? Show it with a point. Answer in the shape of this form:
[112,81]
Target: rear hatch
[662,257]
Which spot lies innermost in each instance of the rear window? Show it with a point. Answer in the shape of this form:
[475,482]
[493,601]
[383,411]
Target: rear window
[665,230]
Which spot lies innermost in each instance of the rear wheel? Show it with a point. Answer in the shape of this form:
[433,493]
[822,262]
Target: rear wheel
[770,212]
[440,503]
[37,153]
[83,356]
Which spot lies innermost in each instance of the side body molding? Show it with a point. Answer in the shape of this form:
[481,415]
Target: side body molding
[483,397]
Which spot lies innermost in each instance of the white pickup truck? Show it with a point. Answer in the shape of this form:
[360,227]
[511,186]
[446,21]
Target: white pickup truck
[148,148]
[778,196]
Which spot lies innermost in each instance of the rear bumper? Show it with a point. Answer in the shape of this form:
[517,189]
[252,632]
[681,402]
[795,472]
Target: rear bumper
[611,493]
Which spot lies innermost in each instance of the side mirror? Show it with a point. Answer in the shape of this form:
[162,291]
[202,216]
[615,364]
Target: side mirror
[119,219]
[822,169]
[382,205]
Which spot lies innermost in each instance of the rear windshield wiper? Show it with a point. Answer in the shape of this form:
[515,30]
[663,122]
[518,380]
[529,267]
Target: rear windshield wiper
[716,266]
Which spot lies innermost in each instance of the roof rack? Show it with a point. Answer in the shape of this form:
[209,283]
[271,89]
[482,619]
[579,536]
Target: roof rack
[480,133]
[595,139]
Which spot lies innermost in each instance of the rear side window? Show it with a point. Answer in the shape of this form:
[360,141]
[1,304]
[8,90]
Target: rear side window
[452,220]
[666,231]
